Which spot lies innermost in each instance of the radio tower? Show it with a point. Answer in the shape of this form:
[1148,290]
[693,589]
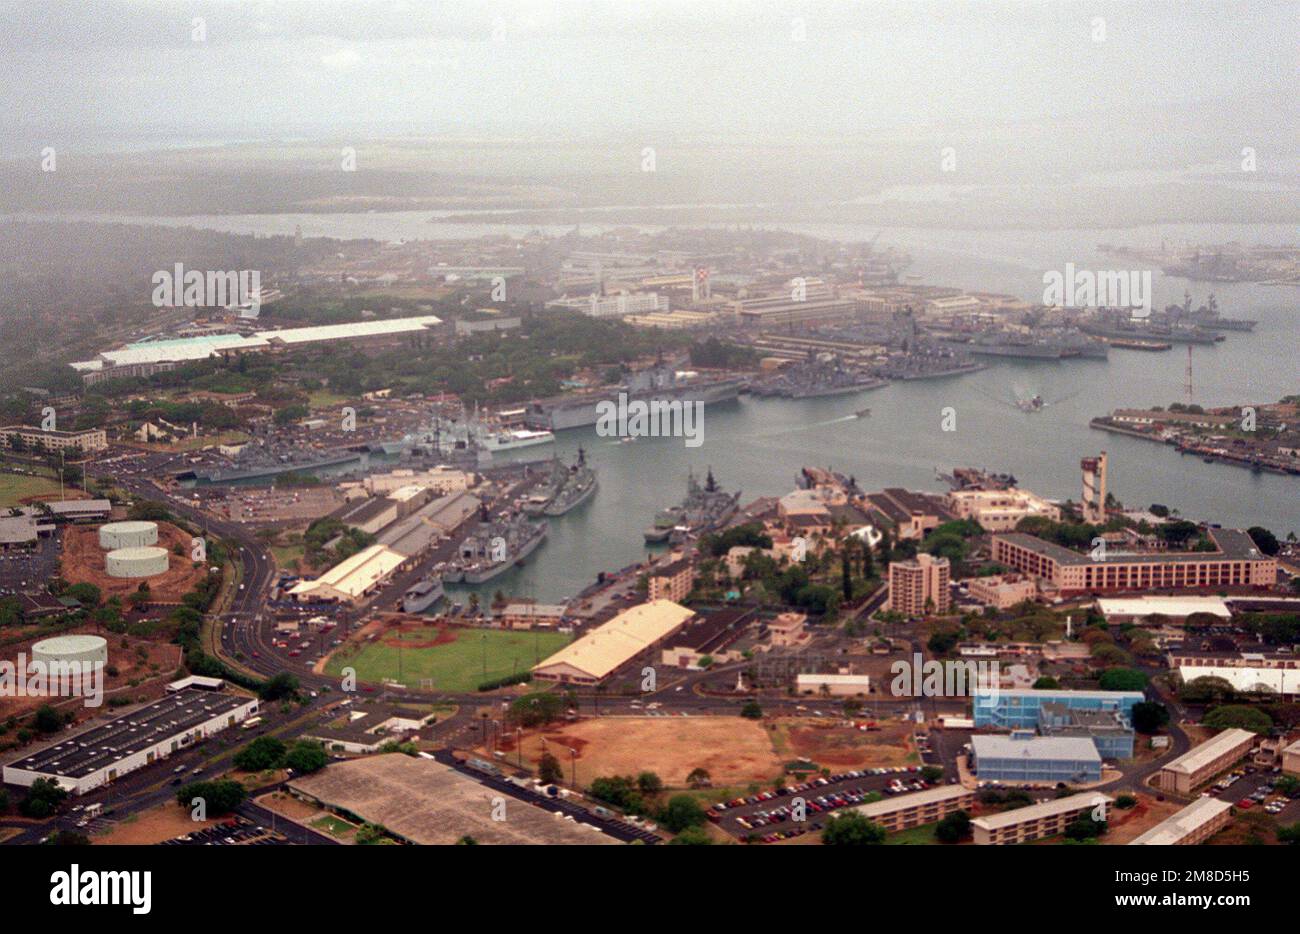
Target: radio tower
[1187,383]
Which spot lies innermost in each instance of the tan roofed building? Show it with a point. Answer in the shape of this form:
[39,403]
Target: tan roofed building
[352,578]
[598,654]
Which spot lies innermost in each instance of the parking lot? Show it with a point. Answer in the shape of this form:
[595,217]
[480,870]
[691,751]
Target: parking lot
[29,570]
[769,815]
[1252,789]
[238,831]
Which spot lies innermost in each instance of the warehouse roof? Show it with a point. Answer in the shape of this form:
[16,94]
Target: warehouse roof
[610,645]
[1168,606]
[429,803]
[172,715]
[1069,748]
[1179,826]
[1042,809]
[353,576]
[1200,756]
[200,348]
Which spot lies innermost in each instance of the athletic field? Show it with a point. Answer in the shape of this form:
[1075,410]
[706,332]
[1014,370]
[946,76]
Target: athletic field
[454,658]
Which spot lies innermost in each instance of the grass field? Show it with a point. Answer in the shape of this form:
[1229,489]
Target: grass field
[476,655]
[14,488]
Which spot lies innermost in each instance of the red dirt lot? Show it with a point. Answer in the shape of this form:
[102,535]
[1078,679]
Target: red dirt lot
[84,563]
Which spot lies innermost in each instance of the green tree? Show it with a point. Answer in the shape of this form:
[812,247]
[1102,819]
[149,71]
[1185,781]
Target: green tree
[1149,716]
[1122,679]
[535,709]
[47,719]
[954,828]
[221,796]
[752,710]
[649,784]
[549,770]
[306,756]
[692,836]
[680,812]
[852,829]
[1239,716]
[265,752]
[43,799]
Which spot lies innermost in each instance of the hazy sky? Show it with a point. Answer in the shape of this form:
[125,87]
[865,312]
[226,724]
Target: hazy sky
[776,68]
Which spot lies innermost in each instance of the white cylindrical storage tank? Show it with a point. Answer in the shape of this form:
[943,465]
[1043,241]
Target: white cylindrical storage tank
[75,648]
[115,535]
[137,562]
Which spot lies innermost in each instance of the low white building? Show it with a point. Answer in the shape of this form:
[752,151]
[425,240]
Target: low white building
[833,685]
[102,754]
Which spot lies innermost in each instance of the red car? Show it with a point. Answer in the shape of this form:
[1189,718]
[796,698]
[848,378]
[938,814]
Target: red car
[1245,804]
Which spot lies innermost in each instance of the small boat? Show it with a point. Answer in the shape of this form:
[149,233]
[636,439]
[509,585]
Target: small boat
[862,413]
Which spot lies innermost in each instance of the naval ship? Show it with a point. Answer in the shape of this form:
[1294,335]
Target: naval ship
[423,594]
[494,547]
[704,509]
[567,489]
[658,384]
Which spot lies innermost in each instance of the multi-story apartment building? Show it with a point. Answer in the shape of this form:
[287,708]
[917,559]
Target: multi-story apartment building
[1201,763]
[920,586]
[36,439]
[1236,562]
[923,807]
[1046,819]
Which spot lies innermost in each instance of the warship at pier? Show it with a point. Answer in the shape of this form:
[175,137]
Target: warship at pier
[704,509]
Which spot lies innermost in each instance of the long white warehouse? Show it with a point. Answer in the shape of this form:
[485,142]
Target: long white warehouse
[104,753]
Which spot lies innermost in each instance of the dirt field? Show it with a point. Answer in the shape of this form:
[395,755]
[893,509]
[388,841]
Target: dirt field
[1137,820]
[732,749]
[160,662]
[164,822]
[841,748]
[83,563]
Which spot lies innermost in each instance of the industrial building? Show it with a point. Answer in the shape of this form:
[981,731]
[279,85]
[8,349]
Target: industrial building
[921,807]
[1201,763]
[1194,824]
[155,356]
[833,685]
[1037,760]
[368,728]
[1045,819]
[1236,563]
[351,579]
[919,587]
[1022,710]
[1120,610]
[78,510]
[1249,672]
[424,802]
[614,306]
[602,651]
[102,754]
